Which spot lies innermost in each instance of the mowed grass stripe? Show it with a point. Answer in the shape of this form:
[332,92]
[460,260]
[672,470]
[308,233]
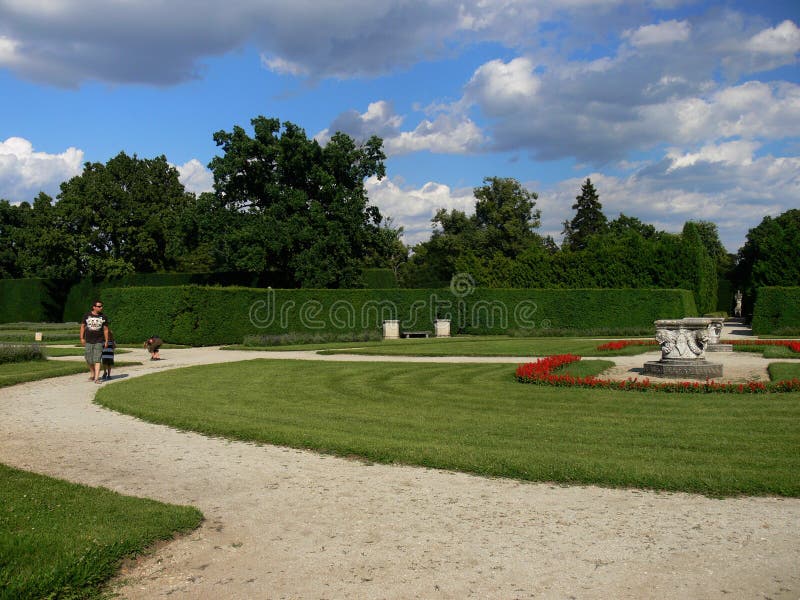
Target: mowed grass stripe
[13,373]
[477,418]
[64,540]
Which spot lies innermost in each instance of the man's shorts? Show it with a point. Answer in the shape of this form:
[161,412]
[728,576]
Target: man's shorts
[92,352]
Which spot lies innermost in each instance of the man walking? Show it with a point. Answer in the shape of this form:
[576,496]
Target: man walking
[94,337]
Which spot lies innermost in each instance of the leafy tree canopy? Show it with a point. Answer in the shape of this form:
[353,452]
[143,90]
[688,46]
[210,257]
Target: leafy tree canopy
[307,209]
[770,255]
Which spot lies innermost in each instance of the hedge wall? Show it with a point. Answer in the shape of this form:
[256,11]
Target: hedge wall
[206,315]
[35,300]
[82,294]
[777,311]
[379,279]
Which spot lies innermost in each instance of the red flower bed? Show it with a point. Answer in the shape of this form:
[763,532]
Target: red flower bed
[619,345]
[541,372]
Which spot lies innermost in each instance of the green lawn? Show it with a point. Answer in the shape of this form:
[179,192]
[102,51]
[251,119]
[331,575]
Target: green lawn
[466,346]
[63,540]
[782,371]
[13,373]
[477,418]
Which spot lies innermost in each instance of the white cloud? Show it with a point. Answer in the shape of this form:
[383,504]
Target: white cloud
[781,40]
[667,32]
[412,208]
[24,173]
[68,42]
[753,110]
[640,96]
[8,51]
[446,134]
[501,87]
[195,177]
[449,132]
[283,66]
[731,153]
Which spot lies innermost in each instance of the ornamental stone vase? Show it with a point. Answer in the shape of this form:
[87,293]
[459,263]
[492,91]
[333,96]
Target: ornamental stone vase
[683,347]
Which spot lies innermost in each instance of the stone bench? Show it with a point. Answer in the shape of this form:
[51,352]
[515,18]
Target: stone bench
[415,334]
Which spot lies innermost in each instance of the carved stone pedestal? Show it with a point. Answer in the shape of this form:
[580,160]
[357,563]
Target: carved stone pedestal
[683,344]
[714,333]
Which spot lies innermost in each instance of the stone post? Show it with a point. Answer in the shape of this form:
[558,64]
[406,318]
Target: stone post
[391,330]
[441,327]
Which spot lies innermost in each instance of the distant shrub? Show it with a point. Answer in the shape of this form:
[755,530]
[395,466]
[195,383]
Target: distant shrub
[287,339]
[16,353]
[777,311]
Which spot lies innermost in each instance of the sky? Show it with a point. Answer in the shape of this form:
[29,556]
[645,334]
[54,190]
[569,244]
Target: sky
[676,110]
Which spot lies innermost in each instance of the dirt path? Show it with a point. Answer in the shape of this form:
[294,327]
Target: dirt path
[283,523]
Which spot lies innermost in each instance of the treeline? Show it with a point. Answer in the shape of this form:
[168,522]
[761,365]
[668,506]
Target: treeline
[294,213]
[499,247]
[283,206]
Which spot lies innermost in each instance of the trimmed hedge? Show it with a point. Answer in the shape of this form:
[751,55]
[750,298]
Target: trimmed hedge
[206,315]
[83,293]
[31,300]
[379,279]
[777,311]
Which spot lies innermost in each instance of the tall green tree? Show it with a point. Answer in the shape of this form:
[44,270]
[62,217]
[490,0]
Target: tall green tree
[770,255]
[505,216]
[48,246]
[122,215]
[306,210]
[588,221]
[502,227]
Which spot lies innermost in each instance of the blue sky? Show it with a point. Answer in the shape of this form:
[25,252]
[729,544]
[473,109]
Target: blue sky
[675,109]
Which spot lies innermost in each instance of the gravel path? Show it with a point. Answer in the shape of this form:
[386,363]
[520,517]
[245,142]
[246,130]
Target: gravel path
[284,523]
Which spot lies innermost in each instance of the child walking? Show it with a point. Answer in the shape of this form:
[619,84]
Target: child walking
[107,356]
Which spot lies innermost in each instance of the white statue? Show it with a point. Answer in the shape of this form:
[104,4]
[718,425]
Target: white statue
[737,311]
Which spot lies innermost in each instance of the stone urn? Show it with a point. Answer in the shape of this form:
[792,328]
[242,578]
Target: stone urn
[714,333]
[683,350]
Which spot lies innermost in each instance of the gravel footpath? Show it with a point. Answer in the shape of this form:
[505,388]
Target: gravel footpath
[283,523]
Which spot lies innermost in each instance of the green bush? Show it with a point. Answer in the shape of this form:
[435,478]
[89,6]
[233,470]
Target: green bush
[777,311]
[200,316]
[14,353]
[291,339]
[36,300]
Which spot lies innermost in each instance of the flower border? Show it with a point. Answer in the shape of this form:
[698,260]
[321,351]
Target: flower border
[541,372]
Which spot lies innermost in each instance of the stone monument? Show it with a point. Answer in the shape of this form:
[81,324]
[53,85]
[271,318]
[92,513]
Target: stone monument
[441,327]
[683,344]
[391,330]
[714,333]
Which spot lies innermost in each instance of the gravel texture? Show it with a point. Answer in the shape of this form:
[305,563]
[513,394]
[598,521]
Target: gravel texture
[283,523]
